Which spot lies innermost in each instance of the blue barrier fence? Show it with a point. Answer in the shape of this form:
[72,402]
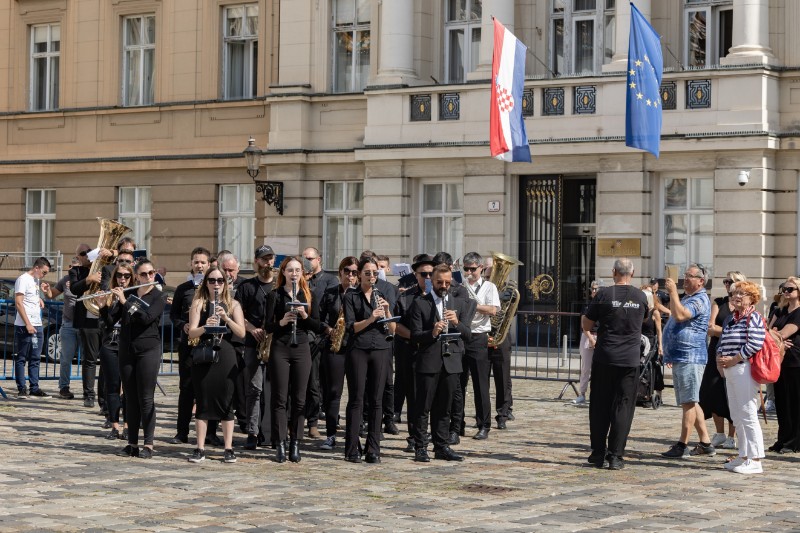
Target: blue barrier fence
[52,321]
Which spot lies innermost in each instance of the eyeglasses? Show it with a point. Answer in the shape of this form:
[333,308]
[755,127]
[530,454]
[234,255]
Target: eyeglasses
[788,290]
[471,269]
[727,281]
[350,271]
[148,274]
[120,275]
[370,273]
[696,276]
[740,294]
[216,281]
[425,274]
[83,253]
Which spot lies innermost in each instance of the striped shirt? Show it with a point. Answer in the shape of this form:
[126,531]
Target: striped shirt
[743,336]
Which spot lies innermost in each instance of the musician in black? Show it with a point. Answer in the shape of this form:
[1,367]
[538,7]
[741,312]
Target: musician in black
[404,349]
[332,364]
[252,295]
[179,314]
[139,356]
[123,254]
[366,360]
[290,355]
[438,363]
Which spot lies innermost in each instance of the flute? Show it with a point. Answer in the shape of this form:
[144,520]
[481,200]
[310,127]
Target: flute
[106,293]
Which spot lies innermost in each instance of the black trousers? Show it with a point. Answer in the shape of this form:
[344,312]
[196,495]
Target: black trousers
[289,368]
[239,398]
[333,363]
[314,391]
[500,361]
[476,364]
[387,403]
[787,407]
[185,389]
[91,339]
[139,373]
[434,396]
[366,378]
[109,359]
[405,384]
[613,401]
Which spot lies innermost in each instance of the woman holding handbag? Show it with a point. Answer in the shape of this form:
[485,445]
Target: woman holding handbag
[787,389]
[742,336]
[291,315]
[214,382]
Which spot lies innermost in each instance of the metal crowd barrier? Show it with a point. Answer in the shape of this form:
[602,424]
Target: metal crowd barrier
[52,320]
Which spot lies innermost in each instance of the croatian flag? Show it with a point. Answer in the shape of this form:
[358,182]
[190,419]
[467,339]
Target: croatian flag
[507,137]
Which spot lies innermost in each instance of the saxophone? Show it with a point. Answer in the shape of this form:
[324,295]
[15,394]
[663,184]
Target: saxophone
[338,332]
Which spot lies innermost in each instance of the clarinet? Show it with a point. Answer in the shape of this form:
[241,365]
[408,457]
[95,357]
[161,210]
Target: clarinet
[293,340]
[375,295]
[217,338]
[445,343]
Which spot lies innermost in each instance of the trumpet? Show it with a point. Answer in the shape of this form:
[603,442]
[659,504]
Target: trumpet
[106,293]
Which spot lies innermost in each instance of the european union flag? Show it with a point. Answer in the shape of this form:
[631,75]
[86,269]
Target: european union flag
[645,65]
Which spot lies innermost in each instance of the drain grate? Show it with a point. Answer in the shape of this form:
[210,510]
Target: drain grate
[487,489]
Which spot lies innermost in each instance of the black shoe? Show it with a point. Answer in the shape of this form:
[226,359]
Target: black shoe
[390,427]
[107,424]
[113,435]
[280,453]
[396,418]
[453,439]
[214,440]
[179,439]
[615,462]
[421,455]
[483,434]
[40,393]
[124,434]
[198,456]
[372,458]
[23,394]
[511,416]
[88,402]
[294,451]
[146,453]
[353,458]
[65,394]
[252,442]
[130,451]
[598,460]
[229,456]
[261,441]
[777,447]
[447,454]
[409,446]
[501,423]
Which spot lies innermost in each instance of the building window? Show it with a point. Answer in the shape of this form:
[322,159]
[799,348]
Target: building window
[237,215]
[45,59]
[343,221]
[462,32]
[240,53]
[443,218]
[138,64]
[581,35]
[134,212]
[40,220]
[708,30]
[351,45]
[688,222]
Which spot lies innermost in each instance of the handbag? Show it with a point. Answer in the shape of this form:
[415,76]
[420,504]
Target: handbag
[765,365]
[204,354]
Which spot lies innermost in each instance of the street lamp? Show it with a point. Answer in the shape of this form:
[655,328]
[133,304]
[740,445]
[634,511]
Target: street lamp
[271,191]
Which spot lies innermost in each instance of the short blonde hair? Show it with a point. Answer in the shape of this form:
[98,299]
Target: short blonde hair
[736,276]
[750,289]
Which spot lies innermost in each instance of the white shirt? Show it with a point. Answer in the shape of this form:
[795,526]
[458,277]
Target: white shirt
[438,302]
[486,294]
[29,287]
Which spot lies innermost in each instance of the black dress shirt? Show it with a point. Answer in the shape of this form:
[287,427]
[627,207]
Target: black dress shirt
[277,306]
[358,308]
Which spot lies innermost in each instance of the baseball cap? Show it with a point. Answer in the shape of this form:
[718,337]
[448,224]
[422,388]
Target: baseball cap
[263,250]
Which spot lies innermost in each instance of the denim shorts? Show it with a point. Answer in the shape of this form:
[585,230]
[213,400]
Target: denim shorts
[686,378]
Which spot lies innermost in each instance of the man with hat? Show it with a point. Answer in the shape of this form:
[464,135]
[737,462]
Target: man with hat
[252,295]
[404,349]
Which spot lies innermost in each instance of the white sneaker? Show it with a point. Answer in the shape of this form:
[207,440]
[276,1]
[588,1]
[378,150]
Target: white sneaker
[749,467]
[718,439]
[580,400]
[729,444]
[733,463]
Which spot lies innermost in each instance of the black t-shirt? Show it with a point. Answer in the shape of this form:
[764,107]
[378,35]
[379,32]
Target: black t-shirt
[792,357]
[252,295]
[620,310]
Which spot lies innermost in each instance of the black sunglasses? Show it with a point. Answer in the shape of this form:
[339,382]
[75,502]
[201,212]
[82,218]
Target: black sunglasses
[83,253]
[425,274]
[120,275]
[350,271]
[788,290]
[727,281]
[216,281]
[470,269]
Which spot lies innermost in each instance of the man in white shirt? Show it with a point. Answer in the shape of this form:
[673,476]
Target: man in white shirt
[476,351]
[28,326]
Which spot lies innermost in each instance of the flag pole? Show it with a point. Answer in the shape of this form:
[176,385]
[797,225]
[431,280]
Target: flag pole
[528,50]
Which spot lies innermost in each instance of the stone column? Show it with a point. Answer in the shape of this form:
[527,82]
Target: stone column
[750,33]
[396,54]
[622,30]
[503,10]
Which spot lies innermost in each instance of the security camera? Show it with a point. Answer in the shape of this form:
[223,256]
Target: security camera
[744,177]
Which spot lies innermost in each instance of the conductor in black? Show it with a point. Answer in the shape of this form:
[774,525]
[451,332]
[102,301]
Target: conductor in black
[438,360]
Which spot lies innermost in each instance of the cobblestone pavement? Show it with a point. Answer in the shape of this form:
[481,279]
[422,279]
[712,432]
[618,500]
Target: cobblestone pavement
[58,473]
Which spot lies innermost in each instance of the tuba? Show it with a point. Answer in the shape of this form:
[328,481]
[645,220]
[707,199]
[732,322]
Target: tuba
[501,322]
[111,232]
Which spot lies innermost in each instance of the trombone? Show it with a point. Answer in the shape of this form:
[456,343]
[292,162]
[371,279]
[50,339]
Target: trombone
[106,293]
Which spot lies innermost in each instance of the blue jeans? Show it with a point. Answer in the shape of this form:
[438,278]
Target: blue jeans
[27,352]
[69,348]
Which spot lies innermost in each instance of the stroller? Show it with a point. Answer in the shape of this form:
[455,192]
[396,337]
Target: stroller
[651,376]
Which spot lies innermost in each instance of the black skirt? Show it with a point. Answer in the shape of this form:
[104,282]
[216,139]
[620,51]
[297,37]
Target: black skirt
[214,385]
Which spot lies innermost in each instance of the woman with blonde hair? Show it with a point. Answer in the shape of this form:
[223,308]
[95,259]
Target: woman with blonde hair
[742,336]
[787,389]
[586,348]
[214,383]
[713,398]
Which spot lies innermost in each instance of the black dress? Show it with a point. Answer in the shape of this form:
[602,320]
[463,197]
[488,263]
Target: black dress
[214,384]
[713,397]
